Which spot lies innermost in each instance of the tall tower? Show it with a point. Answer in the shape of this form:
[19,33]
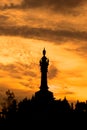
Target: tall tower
[44,95]
[44,62]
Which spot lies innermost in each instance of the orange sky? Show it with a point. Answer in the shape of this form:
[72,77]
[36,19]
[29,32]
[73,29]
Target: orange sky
[26,30]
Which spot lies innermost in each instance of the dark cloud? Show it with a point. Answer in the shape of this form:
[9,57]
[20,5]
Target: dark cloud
[9,5]
[29,85]
[57,5]
[3,19]
[52,72]
[25,84]
[54,3]
[80,50]
[43,34]
[30,73]
[12,69]
[9,67]
[61,6]
[68,93]
[18,70]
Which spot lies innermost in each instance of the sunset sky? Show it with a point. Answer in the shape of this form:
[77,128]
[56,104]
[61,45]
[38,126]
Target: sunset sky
[26,27]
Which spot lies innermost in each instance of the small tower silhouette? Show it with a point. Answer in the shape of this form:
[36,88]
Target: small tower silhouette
[44,95]
[44,62]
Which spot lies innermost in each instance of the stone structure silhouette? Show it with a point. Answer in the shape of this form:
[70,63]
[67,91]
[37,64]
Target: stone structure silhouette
[44,95]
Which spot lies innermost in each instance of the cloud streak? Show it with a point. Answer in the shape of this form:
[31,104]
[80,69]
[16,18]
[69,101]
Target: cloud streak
[43,34]
[57,5]
[15,70]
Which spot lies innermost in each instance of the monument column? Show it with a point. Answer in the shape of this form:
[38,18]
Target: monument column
[44,62]
[44,95]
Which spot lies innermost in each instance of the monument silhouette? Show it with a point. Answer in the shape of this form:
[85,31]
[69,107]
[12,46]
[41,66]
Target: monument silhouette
[43,109]
[44,95]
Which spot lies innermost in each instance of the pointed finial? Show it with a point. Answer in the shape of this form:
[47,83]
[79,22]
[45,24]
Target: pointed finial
[44,52]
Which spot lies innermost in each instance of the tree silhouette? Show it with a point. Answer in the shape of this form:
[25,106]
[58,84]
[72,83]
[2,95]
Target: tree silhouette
[9,107]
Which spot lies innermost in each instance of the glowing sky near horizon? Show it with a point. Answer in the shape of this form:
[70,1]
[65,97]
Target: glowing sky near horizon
[58,26]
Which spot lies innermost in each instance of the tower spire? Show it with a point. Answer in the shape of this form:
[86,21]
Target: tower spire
[44,52]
